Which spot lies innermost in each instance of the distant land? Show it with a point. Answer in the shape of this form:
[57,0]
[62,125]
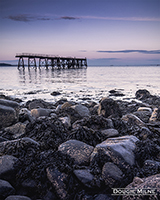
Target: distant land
[5,64]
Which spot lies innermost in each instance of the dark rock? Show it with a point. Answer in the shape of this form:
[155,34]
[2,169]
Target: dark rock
[142,94]
[5,189]
[7,169]
[108,107]
[77,150]
[116,93]
[7,116]
[145,133]
[131,119]
[111,132]
[39,103]
[103,197]
[111,174]
[17,197]
[50,196]
[2,139]
[58,181]
[84,176]
[55,93]
[151,182]
[143,115]
[83,111]
[151,167]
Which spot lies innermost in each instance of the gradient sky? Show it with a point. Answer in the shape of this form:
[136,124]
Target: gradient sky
[107,32]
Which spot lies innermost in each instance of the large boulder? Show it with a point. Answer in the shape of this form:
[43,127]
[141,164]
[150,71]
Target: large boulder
[5,189]
[142,94]
[109,107]
[118,149]
[145,187]
[17,197]
[83,111]
[77,150]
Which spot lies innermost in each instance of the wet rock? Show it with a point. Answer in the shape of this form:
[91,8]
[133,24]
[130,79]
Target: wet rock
[109,107]
[145,133]
[84,176]
[145,109]
[83,111]
[2,139]
[151,182]
[143,115]
[67,104]
[39,103]
[133,119]
[7,168]
[103,197]
[55,93]
[7,116]
[5,189]
[111,132]
[155,115]
[66,121]
[17,130]
[116,93]
[77,150]
[38,112]
[111,174]
[14,147]
[28,187]
[151,167]
[142,94]
[17,197]
[58,182]
[49,196]
[118,148]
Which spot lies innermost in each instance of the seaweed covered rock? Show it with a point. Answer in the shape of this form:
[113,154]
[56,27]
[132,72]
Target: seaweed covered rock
[151,167]
[5,189]
[142,94]
[77,150]
[17,197]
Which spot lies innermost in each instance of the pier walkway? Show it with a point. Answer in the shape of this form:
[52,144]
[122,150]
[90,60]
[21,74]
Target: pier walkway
[50,60]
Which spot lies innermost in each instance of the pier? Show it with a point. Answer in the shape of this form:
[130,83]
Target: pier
[50,60]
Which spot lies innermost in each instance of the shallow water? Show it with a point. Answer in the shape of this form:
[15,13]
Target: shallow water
[77,84]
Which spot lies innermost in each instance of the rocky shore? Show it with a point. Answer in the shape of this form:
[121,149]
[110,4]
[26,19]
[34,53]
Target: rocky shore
[86,151]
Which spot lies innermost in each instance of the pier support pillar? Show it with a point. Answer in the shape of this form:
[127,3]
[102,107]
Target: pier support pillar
[31,62]
[20,62]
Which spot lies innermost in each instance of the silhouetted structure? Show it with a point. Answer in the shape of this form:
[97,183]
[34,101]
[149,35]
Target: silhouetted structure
[50,60]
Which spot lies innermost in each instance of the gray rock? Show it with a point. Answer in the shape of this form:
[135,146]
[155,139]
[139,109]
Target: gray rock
[7,169]
[151,167]
[83,111]
[151,182]
[109,107]
[17,197]
[84,176]
[66,121]
[135,120]
[77,150]
[58,181]
[111,132]
[143,115]
[118,148]
[16,130]
[7,116]
[103,197]
[111,174]
[5,189]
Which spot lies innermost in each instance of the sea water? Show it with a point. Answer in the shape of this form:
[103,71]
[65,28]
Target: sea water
[92,83]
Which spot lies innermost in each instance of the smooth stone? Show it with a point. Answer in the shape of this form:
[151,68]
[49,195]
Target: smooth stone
[7,116]
[77,150]
[109,107]
[7,169]
[111,174]
[111,132]
[134,119]
[66,121]
[67,105]
[16,130]
[83,111]
[5,189]
[39,112]
[121,147]
[151,182]
[17,197]
[145,109]
[58,181]
[84,176]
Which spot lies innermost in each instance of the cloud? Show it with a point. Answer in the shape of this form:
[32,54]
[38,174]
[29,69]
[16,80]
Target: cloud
[27,18]
[69,18]
[133,51]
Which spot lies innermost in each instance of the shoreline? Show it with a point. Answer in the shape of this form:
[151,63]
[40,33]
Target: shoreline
[70,150]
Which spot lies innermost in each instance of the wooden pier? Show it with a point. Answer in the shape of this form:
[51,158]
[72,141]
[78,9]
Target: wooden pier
[50,60]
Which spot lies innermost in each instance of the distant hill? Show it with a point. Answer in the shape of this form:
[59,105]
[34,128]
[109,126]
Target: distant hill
[5,64]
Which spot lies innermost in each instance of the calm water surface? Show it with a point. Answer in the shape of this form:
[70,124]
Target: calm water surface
[77,84]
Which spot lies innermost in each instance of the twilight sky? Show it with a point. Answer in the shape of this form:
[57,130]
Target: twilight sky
[118,32]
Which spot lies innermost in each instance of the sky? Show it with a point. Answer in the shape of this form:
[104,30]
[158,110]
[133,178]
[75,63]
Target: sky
[106,32]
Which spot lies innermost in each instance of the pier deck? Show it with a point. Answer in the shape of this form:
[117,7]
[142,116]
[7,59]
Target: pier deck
[50,60]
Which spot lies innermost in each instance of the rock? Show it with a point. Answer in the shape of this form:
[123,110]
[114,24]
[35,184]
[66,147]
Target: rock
[58,108]
[7,116]
[67,105]
[17,130]
[111,174]
[145,109]
[111,132]
[28,186]
[55,93]
[116,93]
[15,146]
[103,197]
[151,182]
[7,169]
[145,133]
[11,104]
[77,150]
[5,189]
[118,148]
[17,197]
[151,167]
[66,121]
[155,115]
[39,103]
[58,182]
[83,111]
[130,118]
[49,196]
[109,107]
[142,94]
[143,115]
[2,139]
[39,112]
[84,176]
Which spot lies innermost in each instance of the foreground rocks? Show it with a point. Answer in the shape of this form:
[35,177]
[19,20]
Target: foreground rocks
[66,151]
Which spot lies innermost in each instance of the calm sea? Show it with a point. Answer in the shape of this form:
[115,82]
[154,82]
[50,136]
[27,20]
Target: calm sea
[78,84]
